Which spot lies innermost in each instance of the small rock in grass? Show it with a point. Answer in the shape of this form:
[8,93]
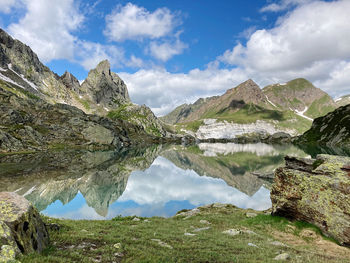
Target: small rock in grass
[189,234]
[232,232]
[252,245]
[219,205]
[250,214]
[162,244]
[204,222]
[278,244]
[147,221]
[117,245]
[201,229]
[283,256]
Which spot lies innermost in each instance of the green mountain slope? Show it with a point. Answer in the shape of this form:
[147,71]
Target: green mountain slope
[290,106]
[332,129]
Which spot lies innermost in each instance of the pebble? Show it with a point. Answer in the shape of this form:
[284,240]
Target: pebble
[201,229]
[283,256]
[117,245]
[162,244]
[278,244]
[252,245]
[219,205]
[250,214]
[232,232]
[204,222]
[189,234]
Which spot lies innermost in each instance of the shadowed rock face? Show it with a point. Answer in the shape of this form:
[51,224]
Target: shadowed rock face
[21,228]
[333,129]
[315,191]
[105,87]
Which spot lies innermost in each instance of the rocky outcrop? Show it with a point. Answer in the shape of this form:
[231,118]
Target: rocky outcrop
[141,116]
[226,130]
[102,91]
[331,130]
[32,124]
[343,101]
[105,87]
[315,191]
[21,228]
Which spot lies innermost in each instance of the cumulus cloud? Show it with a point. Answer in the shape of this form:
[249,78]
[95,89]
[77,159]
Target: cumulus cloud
[7,5]
[164,182]
[163,90]
[90,54]
[47,28]
[312,41]
[166,50]
[283,5]
[134,22]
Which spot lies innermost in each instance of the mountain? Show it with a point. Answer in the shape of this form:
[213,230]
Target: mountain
[301,96]
[288,107]
[332,129]
[26,85]
[342,101]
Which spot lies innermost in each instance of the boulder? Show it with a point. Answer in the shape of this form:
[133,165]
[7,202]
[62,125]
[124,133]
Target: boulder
[315,191]
[21,228]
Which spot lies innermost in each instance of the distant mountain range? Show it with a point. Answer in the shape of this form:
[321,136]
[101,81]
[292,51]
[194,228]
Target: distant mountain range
[289,107]
[42,110]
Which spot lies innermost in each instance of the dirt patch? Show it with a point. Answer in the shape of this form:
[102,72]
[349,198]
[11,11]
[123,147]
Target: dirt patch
[309,238]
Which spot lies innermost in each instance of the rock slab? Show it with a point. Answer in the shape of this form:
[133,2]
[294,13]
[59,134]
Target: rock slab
[21,228]
[315,191]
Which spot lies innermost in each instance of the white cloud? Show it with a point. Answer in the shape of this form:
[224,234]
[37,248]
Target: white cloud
[312,41]
[47,28]
[134,22]
[166,50]
[164,182]
[89,54]
[283,5]
[7,5]
[163,91]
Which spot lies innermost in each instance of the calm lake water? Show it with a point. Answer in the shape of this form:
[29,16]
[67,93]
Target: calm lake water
[154,181]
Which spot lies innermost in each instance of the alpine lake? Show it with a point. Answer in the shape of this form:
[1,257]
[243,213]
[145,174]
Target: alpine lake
[156,181]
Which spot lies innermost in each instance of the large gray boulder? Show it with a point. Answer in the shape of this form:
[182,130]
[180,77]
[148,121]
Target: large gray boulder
[315,191]
[21,228]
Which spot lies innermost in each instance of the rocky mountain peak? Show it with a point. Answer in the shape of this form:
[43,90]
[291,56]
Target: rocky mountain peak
[70,81]
[248,92]
[105,87]
[104,67]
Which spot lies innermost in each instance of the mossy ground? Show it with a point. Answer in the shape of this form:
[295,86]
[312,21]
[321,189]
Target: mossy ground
[127,240]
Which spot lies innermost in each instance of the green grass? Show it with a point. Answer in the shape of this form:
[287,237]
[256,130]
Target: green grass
[319,107]
[126,240]
[190,126]
[248,114]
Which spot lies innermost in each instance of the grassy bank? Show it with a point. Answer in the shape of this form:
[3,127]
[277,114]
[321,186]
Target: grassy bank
[189,237]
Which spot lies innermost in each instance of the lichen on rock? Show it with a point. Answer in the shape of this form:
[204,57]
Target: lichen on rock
[21,228]
[318,193]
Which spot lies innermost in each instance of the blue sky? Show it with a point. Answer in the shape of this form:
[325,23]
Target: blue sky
[171,52]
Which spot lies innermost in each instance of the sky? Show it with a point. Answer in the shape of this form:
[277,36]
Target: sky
[171,52]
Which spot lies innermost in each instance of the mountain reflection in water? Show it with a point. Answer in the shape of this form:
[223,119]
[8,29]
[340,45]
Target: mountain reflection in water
[155,181]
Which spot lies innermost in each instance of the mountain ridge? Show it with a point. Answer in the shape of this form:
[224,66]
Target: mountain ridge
[280,105]
[102,92]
